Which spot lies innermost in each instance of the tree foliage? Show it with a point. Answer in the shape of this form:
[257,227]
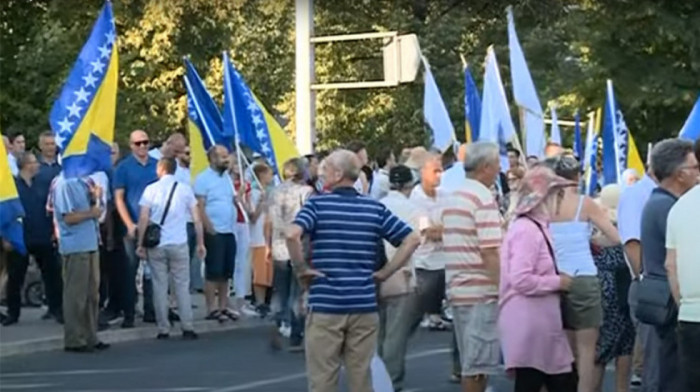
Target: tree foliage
[650,49]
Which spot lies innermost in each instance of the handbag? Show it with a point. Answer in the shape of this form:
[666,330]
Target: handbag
[564,322]
[655,303]
[151,237]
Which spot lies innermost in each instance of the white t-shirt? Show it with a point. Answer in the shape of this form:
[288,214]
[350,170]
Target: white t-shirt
[257,233]
[682,235]
[13,164]
[429,254]
[155,196]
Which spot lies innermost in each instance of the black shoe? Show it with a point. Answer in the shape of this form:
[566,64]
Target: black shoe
[128,324]
[79,349]
[100,346]
[189,335]
[163,336]
[149,318]
[3,317]
[173,316]
[10,321]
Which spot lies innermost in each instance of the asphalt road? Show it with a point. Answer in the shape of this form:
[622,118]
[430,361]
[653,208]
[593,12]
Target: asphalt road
[218,362]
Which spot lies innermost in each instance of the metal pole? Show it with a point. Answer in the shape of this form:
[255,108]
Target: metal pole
[305,97]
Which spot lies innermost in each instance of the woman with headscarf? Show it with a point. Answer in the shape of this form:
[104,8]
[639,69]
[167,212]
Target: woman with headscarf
[535,347]
[616,337]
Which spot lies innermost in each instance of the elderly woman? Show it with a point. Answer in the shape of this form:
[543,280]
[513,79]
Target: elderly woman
[616,337]
[534,343]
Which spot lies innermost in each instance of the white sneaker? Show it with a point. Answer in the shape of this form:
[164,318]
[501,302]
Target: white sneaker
[635,381]
[286,331]
[249,311]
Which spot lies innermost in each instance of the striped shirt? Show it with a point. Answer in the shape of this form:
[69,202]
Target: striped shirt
[472,223]
[345,230]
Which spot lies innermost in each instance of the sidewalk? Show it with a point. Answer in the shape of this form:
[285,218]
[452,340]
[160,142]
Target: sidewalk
[32,334]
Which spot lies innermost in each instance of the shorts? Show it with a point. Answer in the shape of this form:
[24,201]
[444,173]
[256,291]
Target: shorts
[262,267]
[476,330]
[581,305]
[431,290]
[221,256]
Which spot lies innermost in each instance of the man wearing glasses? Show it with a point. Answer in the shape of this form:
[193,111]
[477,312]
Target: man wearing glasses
[131,177]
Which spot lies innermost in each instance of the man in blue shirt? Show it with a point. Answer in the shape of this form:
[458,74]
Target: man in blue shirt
[77,207]
[131,177]
[38,230]
[345,229]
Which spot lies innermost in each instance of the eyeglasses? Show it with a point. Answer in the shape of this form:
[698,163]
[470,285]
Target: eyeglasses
[141,143]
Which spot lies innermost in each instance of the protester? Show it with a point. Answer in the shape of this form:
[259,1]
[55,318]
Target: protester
[312,169]
[49,167]
[286,201]
[131,176]
[513,157]
[360,149]
[342,297]
[530,320]
[675,168]
[216,198]
[683,267]
[616,335]
[532,160]
[380,185]
[470,251]
[241,271]
[78,205]
[630,177]
[169,204]
[571,233]
[260,253]
[454,177]
[17,145]
[399,309]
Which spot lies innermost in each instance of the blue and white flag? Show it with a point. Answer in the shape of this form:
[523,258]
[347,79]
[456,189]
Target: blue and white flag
[435,112]
[555,132]
[578,146]
[691,128]
[590,158]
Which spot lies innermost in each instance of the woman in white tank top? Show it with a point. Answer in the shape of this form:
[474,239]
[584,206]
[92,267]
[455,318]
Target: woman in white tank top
[571,229]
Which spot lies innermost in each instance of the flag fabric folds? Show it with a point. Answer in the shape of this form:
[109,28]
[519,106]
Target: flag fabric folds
[496,124]
[619,149]
[578,147]
[82,118]
[590,157]
[555,132]
[472,107]
[691,128]
[11,210]
[525,95]
[435,112]
[250,123]
[204,121]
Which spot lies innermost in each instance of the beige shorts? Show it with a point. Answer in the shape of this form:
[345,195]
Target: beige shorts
[477,338]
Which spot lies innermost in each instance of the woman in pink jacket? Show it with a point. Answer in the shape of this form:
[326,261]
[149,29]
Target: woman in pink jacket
[534,344]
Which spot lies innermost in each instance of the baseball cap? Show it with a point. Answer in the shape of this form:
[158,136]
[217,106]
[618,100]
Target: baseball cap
[400,175]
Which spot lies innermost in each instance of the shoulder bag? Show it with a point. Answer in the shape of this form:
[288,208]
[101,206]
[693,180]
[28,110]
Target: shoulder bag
[151,237]
[655,303]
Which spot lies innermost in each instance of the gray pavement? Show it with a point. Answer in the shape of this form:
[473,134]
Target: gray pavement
[219,362]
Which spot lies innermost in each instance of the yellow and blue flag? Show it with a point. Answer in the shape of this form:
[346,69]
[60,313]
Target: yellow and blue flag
[619,149]
[11,211]
[691,128]
[82,118]
[251,124]
[204,121]
[590,157]
[472,107]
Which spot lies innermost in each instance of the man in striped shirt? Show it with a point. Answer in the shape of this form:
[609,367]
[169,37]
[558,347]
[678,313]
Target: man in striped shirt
[345,229]
[471,241]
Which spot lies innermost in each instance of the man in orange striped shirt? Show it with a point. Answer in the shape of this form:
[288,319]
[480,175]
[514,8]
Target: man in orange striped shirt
[471,240]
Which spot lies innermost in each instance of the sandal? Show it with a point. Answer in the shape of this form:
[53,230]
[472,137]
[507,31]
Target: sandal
[213,315]
[231,314]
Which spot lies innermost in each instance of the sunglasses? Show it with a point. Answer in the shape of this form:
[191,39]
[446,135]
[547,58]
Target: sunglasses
[141,143]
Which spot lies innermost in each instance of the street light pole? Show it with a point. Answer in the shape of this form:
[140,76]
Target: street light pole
[305,97]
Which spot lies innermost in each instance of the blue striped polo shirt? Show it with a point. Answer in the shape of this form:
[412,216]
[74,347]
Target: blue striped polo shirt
[345,229]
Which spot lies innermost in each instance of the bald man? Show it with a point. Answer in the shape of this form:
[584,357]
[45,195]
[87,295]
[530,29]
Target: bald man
[131,176]
[174,147]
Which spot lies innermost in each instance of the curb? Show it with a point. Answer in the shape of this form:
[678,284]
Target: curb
[55,343]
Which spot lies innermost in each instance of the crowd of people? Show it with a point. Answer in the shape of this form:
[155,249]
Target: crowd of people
[350,255]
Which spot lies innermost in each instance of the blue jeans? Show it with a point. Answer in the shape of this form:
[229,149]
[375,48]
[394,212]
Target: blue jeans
[286,300]
[130,296]
[196,279]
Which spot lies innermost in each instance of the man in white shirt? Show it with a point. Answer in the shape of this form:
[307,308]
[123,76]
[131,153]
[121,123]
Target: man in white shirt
[429,262]
[454,176]
[380,183]
[169,205]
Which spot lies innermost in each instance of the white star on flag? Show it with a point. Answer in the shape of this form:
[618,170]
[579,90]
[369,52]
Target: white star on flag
[257,120]
[260,133]
[97,66]
[104,51]
[110,37]
[252,106]
[60,140]
[65,125]
[82,95]
[74,110]
[193,114]
[265,147]
[89,80]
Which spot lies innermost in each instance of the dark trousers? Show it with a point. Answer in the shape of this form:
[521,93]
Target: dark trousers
[532,380]
[286,301]
[16,270]
[113,273]
[130,297]
[669,364]
[689,348]
[50,266]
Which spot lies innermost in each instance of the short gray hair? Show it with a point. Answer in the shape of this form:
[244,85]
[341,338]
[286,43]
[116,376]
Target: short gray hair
[346,162]
[480,153]
[668,156]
